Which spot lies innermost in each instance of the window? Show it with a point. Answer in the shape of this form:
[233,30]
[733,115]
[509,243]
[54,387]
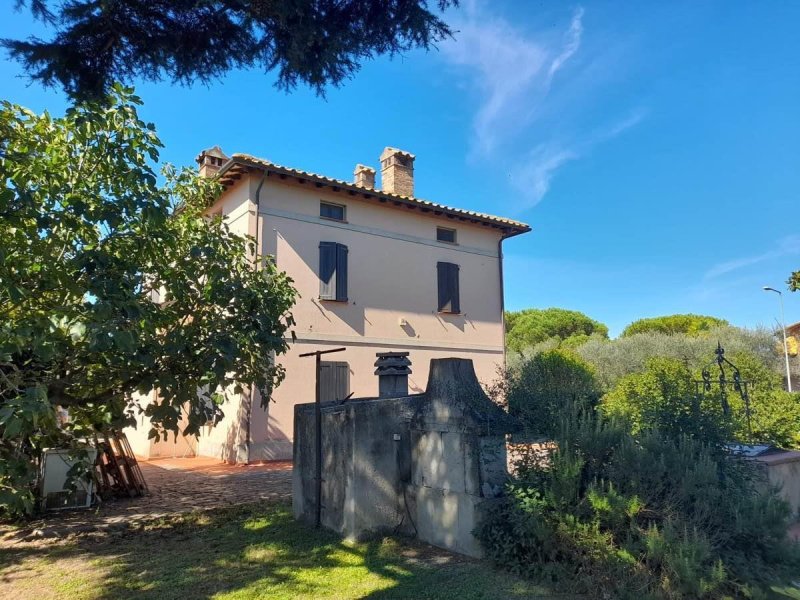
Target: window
[328,210]
[445,234]
[448,287]
[332,271]
[334,381]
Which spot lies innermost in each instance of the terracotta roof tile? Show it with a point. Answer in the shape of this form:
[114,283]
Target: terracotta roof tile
[245,160]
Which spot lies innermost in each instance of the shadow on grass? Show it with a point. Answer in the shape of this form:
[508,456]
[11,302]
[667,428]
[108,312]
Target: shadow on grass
[255,551]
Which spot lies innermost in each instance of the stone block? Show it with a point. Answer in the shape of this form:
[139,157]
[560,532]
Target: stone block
[447,519]
[439,460]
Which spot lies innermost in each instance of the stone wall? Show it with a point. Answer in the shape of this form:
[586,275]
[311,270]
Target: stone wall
[419,464]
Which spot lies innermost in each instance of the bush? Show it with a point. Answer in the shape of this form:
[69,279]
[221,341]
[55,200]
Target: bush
[541,387]
[665,396]
[532,326]
[658,515]
[670,324]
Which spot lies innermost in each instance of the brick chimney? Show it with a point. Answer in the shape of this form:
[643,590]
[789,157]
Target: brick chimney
[209,161]
[397,172]
[364,176]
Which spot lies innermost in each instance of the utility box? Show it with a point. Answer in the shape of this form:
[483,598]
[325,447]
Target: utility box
[55,493]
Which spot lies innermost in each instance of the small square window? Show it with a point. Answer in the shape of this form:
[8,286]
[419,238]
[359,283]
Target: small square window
[445,234]
[327,210]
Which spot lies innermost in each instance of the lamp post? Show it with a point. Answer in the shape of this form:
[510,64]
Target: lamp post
[785,345]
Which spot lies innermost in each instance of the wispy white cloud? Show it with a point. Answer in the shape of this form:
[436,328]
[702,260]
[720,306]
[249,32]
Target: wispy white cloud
[513,71]
[787,246]
[516,73]
[573,42]
[509,68]
[532,175]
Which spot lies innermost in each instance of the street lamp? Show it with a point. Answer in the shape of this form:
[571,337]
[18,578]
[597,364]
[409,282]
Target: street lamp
[785,345]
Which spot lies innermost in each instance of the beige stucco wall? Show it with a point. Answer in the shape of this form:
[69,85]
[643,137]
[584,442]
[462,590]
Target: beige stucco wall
[392,276]
[783,471]
[147,448]
[392,256]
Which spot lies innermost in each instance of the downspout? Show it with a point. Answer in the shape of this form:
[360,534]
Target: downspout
[502,296]
[256,266]
[502,287]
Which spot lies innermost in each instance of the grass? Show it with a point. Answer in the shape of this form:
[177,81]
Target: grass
[254,551]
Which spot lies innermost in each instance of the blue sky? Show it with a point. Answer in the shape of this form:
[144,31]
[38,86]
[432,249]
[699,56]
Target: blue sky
[654,149]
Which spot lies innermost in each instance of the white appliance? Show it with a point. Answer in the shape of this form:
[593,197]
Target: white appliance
[55,494]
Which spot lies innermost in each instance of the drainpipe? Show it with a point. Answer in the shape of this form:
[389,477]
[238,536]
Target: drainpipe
[256,266]
[502,286]
[502,296]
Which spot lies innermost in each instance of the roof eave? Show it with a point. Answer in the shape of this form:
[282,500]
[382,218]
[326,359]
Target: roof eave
[231,171]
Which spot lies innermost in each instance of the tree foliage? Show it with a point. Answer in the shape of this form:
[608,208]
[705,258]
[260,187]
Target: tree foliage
[540,387]
[794,281]
[665,396]
[689,324]
[317,42]
[107,291]
[526,328]
[614,359]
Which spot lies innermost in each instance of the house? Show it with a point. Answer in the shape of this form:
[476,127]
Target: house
[377,270]
[792,338]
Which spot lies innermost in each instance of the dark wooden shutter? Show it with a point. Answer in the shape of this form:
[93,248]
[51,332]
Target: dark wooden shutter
[334,381]
[447,275]
[455,299]
[341,272]
[441,275]
[327,270]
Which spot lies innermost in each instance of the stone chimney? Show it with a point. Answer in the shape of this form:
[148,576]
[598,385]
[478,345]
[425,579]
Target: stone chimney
[397,172]
[364,176]
[209,161]
[393,369]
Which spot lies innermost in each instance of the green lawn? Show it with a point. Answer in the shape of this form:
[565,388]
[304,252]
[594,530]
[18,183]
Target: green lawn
[255,551]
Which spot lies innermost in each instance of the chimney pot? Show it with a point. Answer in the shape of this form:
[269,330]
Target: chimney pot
[393,369]
[210,161]
[397,172]
[364,176]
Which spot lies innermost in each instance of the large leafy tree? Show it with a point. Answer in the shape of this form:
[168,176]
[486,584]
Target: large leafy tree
[689,324]
[113,284]
[317,42]
[528,327]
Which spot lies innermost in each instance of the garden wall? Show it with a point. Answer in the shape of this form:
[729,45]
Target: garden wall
[418,464]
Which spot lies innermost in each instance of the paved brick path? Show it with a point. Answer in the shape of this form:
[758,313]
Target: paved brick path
[176,486]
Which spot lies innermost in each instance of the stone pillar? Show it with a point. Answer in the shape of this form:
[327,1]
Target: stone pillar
[392,369]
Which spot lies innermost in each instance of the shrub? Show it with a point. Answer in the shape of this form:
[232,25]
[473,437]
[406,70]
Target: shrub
[658,515]
[670,324]
[540,387]
[775,419]
[665,396]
